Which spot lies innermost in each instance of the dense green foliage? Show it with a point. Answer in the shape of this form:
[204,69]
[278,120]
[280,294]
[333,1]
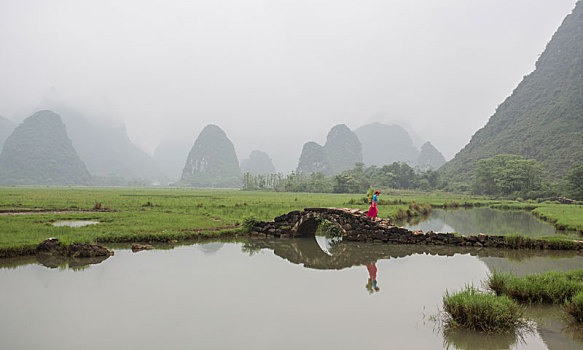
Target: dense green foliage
[508,174]
[575,182]
[39,152]
[476,310]
[543,118]
[212,162]
[356,180]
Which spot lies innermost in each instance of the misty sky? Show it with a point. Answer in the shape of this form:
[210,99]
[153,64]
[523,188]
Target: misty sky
[274,73]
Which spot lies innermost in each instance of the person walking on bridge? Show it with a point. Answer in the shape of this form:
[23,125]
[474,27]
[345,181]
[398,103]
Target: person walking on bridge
[373,211]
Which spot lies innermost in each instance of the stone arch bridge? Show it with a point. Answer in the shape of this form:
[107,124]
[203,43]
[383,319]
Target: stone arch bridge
[355,226]
[352,224]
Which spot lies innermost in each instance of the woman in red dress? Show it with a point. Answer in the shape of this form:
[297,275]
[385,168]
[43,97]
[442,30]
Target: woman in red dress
[373,211]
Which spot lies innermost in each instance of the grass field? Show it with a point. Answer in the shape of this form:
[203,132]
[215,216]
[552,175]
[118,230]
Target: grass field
[167,214]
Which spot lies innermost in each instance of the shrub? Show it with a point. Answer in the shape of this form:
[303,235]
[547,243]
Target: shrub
[476,310]
[330,228]
[249,222]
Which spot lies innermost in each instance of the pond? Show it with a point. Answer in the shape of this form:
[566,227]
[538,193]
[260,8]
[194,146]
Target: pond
[481,220]
[75,223]
[264,294]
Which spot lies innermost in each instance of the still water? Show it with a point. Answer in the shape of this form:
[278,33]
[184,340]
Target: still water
[75,223]
[481,220]
[263,294]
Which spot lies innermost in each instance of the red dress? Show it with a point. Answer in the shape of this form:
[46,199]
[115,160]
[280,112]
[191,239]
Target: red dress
[373,211]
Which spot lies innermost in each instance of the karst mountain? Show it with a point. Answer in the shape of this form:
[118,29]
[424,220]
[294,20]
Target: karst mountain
[39,152]
[543,117]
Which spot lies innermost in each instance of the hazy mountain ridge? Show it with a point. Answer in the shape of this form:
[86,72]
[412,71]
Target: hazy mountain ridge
[6,128]
[543,117]
[258,162]
[341,151]
[430,158]
[39,152]
[106,150]
[212,161]
[343,148]
[385,144]
[313,159]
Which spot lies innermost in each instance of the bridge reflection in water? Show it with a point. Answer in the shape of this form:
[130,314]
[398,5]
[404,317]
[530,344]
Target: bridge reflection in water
[340,255]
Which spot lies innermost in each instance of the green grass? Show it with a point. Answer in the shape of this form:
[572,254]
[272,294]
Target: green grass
[557,242]
[563,217]
[550,288]
[150,214]
[480,311]
[177,214]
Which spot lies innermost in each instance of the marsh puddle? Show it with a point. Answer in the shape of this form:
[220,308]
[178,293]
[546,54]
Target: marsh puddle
[75,223]
[481,220]
[264,294]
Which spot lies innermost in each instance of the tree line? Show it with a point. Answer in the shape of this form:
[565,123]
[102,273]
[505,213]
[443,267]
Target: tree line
[505,176]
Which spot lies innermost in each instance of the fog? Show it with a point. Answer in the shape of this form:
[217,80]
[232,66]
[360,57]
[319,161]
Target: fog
[273,74]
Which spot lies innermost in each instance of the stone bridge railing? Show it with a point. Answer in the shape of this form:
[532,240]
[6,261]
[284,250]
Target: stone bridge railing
[355,226]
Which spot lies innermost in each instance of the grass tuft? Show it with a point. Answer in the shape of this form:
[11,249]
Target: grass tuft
[550,288]
[480,311]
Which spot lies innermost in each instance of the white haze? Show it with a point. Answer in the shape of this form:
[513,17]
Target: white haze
[274,73]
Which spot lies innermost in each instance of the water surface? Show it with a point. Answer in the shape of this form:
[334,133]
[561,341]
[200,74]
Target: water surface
[482,220]
[262,294]
[75,223]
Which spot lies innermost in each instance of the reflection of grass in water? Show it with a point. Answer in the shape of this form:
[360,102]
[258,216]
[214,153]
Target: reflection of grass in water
[455,338]
[574,331]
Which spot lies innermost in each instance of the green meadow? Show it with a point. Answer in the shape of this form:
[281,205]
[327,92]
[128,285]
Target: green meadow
[137,214]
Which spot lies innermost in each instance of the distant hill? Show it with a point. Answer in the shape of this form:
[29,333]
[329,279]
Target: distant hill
[385,144]
[212,161]
[106,149]
[39,152]
[543,118]
[314,159]
[6,128]
[430,158]
[258,163]
[342,148]
[341,151]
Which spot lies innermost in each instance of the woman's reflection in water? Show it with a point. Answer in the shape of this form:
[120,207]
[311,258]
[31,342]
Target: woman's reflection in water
[371,286]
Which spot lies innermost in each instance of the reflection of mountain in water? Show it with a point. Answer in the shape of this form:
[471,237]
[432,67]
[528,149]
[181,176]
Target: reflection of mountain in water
[484,220]
[535,264]
[210,248]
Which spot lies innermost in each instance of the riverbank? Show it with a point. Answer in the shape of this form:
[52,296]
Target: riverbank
[167,215]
